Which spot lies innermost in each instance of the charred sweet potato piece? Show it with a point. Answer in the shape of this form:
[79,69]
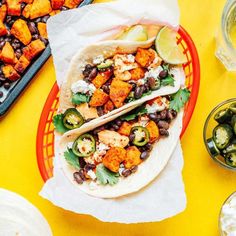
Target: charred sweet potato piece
[3,12]
[22,64]
[144,57]
[119,91]
[72,3]
[10,73]
[99,98]
[33,49]
[26,11]
[101,78]
[137,73]
[125,129]
[54,12]
[132,157]
[3,29]
[40,8]
[109,106]
[13,7]
[21,31]
[57,4]
[113,158]
[42,30]
[27,1]
[153,131]
[8,55]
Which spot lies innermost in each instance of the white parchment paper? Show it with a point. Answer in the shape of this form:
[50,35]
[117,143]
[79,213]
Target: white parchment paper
[69,32]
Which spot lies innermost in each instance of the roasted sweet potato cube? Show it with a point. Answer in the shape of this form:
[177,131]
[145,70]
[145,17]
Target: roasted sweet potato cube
[3,12]
[42,30]
[57,4]
[10,73]
[13,7]
[22,64]
[119,91]
[101,78]
[72,3]
[3,29]
[132,157]
[99,98]
[144,57]
[8,55]
[33,49]
[109,106]
[26,11]
[113,158]
[54,12]
[137,73]
[27,1]
[125,129]
[40,8]
[153,131]
[21,31]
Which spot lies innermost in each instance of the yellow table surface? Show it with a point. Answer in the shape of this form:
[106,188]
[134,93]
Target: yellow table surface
[206,184]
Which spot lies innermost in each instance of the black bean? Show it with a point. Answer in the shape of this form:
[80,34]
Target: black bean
[35,36]
[8,19]
[152,82]
[99,129]
[7,85]
[147,88]
[163,124]
[100,111]
[131,137]
[32,27]
[8,39]
[18,53]
[148,147]
[106,88]
[119,122]
[23,5]
[89,166]
[2,79]
[134,169]
[133,85]
[45,18]
[115,126]
[144,155]
[174,113]
[1,94]
[2,43]
[153,116]
[164,132]
[16,45]
[93,73]
[87,70]
[112,129]
[82,162]
[163,114]
[77,178]
[163,74]
[38,20]
[126,172]
[169,115]
[138,92]
[82,174]
[45,41]
[108,83]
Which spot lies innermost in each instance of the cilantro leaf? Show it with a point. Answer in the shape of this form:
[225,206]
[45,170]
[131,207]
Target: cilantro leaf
[179,99]
[79,98]
[58,123]
[133,114]
[72,159]
[169,80]
[105,176]
[166,67]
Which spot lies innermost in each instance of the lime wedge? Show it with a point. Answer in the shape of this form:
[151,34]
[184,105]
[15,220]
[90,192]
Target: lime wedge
[135,33]
[167,47]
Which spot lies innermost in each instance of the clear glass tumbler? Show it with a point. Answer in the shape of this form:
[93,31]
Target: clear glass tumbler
[226,38]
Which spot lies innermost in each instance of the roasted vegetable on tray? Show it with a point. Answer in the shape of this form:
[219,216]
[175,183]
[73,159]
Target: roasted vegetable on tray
[23,34]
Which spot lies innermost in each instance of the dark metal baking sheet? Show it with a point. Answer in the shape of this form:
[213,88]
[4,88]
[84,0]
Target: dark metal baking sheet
[16,89]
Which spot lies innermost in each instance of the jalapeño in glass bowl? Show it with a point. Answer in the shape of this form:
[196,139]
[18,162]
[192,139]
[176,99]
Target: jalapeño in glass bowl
[220,134]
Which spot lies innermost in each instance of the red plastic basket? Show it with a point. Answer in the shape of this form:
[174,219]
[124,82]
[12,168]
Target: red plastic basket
[45,135]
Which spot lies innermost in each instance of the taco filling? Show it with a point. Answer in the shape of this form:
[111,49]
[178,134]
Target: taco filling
[110,83]
[115,150]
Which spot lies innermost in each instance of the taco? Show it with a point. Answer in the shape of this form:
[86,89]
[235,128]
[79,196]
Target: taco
[111,76]
[125,154]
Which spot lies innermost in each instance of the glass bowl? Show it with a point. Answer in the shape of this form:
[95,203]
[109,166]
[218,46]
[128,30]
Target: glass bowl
[222,233]
[210,124]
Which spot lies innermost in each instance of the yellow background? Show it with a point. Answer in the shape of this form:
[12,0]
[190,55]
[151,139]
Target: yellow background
[207,185]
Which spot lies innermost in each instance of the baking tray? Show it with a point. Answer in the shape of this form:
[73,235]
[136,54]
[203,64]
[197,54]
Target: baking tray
[18,87]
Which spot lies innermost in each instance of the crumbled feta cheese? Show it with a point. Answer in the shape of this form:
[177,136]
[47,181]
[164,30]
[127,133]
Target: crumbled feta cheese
[91,174]
[154,72]
[81,86]
[100,152]
[130,58]
[98,59]
[157,106]
[102,147]
[70,144]
[124,62]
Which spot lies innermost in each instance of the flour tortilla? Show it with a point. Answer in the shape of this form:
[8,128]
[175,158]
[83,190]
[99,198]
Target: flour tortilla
[147,171]
[109,49]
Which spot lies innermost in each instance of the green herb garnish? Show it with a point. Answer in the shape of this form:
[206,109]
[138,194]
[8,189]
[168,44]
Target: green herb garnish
[79,98]
[133,114]
[72,159]
[105,176]
[58,123]
[169,80]
[179,99]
